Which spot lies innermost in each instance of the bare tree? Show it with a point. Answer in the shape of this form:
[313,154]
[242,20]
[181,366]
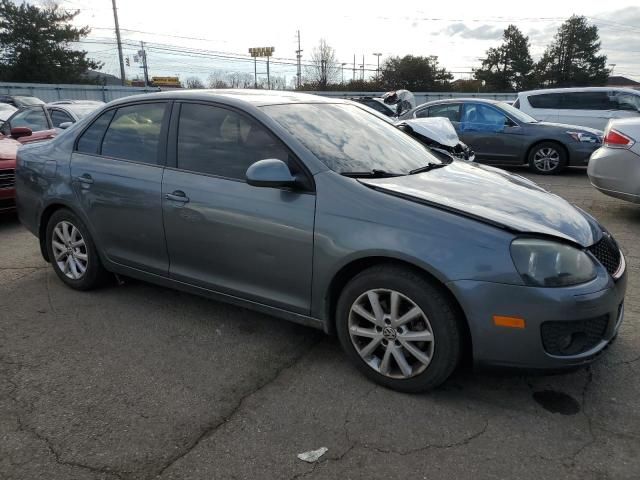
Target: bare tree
[324,68]
[194,82]
[217,79]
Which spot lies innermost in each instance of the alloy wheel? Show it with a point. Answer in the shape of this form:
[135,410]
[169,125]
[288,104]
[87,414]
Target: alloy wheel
[391,333]
[69,250]
[547,159]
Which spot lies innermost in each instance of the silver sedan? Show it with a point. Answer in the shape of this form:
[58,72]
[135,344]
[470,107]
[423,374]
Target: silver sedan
[614,169]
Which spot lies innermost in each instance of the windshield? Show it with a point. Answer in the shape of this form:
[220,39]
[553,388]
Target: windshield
[517,114]
[347,138]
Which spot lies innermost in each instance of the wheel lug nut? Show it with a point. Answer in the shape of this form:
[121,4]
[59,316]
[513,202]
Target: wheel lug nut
[387,321]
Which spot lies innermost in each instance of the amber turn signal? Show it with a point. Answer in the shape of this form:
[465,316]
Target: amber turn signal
[509,322]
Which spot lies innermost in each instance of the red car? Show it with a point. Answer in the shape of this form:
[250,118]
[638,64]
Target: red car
[24,126]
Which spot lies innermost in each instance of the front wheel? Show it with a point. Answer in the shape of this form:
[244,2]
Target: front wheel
[399,329]
[547,158]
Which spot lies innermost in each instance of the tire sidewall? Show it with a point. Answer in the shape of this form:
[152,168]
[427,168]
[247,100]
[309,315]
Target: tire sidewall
[446,330]
[558,148]
[95,272]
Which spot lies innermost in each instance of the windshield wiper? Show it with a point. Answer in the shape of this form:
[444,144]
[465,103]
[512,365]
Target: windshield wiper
[375,173]
[427,168]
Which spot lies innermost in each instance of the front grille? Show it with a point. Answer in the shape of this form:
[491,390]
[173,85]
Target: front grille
[573,337]
[607,252]
[7,178]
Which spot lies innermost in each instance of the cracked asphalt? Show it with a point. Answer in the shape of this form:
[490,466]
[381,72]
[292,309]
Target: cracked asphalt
[141,382]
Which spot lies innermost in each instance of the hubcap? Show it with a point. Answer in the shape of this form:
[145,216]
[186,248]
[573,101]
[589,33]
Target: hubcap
[391,333]
[546,159]
[69,250]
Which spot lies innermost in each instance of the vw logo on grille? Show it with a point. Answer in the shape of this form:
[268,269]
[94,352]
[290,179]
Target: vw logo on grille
[389,333]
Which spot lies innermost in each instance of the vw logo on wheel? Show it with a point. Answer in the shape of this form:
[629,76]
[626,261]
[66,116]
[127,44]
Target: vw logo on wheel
[389,333]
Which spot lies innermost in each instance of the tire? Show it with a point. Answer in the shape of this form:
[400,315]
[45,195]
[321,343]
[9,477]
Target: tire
[547,158]
[437,315]
[80,247]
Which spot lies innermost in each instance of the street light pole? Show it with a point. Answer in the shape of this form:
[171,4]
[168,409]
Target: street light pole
[378,69]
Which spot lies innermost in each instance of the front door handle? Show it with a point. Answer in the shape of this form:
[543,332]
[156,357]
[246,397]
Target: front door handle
[85,178]
[177,196]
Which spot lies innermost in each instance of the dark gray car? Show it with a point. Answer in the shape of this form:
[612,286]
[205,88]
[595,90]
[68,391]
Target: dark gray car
[503,135]
[316,211]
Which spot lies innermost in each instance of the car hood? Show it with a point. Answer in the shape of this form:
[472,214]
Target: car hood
[438,129]
[8,149]
[569,128]
[496,197]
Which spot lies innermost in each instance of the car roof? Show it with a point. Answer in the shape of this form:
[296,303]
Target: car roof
[256,98]
[459,100]
[577,89]
[76,102]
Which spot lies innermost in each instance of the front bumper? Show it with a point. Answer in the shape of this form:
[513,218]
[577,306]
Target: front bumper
[580,152]
[601,299]
[616,172]
[7,199]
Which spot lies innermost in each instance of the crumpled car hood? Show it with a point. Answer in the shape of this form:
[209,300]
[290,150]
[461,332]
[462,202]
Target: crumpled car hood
[495,196]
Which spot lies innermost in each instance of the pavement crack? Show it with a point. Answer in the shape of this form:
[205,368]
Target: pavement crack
[212,428]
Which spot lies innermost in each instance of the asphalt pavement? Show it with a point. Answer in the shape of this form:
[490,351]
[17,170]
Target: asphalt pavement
[135,381]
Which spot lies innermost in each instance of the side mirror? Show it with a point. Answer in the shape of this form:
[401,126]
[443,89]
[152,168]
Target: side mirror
[64,125]
[272,173]
[19,132]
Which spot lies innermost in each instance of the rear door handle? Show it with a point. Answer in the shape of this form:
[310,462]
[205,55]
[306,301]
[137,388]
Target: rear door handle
[177,196]
[85,178]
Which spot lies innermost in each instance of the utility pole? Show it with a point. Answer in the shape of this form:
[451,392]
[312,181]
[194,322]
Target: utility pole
[354,67]
[378,69]
[115,18]
[299,58]
[362,66]
[343,72]
[145,67]
[268,76]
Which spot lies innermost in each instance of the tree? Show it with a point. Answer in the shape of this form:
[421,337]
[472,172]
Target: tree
[324,68]
[418,74]
[35,45]
[508,67]
[573,59]
[194,82]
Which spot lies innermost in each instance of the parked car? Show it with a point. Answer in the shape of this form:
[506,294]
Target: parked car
[586,106]
[503,135]
[313,210]
[614,169]
[20,101]
[66,112]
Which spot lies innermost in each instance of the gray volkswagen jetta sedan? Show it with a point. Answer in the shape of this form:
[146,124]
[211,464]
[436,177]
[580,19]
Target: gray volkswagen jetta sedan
[316,211]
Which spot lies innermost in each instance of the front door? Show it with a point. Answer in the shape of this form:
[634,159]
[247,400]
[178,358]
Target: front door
[491,134]
[222,234]
[116,172]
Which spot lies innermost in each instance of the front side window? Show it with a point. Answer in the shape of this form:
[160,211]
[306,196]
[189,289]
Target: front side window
[58,117]
[34,118]
[349,139]
[222,142]
[447,110]
[482,118]
[134,133]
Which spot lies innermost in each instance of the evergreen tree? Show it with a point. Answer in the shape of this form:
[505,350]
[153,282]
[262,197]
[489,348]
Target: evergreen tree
[418,74]
[573,59]
[35,45]
[508,67]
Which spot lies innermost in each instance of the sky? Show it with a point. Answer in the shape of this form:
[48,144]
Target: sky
[458,33]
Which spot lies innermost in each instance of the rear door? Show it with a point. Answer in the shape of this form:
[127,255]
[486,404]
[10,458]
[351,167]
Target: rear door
[116,171]
[223,234]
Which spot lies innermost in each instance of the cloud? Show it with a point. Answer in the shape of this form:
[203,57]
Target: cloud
[482,32]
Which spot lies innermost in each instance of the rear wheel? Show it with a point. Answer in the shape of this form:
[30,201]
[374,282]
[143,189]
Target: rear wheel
[72,252]
[547,158]
[399,329]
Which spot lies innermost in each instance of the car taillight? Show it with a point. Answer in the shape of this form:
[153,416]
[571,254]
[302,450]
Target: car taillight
[615,139]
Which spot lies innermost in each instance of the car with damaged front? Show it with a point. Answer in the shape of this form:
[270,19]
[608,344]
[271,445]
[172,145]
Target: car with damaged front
[313,210]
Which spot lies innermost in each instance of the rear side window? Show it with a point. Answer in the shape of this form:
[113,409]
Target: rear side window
[89,141]
[586,101]
[448,110]
[222,142]
[626,101]
[134,133]
[545,100]
[58,117]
